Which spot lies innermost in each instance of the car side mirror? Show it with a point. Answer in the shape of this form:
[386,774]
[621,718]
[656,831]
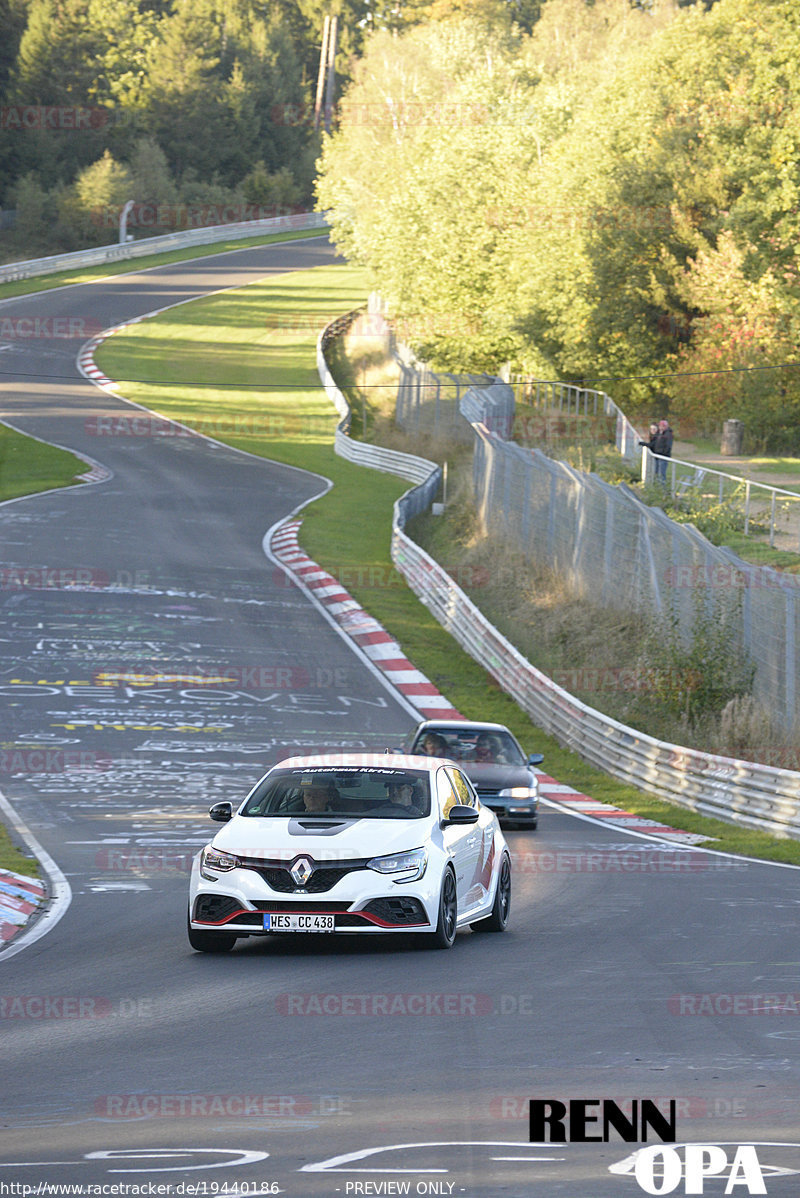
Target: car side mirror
[536,759]
[461,815]
[221,812]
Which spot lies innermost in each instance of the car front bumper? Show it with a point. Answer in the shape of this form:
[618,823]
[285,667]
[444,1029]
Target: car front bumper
[362,901]
[516,810]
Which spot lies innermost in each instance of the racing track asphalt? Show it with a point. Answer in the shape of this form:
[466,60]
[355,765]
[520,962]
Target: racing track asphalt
[127,1059]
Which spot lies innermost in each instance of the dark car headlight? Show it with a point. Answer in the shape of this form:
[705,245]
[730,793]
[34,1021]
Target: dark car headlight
[520,793]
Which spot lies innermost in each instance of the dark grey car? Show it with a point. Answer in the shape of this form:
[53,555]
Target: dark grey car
[492,759]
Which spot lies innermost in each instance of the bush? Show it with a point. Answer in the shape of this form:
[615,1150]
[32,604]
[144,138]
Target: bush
[698,671]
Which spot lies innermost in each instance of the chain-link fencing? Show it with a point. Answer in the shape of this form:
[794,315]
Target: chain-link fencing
[608,545]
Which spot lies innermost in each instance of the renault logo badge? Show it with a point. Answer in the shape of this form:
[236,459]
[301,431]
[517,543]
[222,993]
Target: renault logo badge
[301,871]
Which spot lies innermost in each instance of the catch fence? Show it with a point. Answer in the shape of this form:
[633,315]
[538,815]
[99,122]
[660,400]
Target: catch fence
[760,796]
[617,552]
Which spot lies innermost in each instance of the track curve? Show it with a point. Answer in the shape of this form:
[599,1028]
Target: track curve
[629,970]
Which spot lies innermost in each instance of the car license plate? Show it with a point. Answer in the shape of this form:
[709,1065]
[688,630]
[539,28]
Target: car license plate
[299,923]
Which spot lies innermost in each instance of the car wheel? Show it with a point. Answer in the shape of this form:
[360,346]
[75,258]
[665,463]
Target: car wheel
[445,933]
[210,942]
[497,921]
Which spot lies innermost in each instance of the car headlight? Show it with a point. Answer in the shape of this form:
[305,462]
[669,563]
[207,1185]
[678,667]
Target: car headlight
[214,859]
[520,792]
[410,864]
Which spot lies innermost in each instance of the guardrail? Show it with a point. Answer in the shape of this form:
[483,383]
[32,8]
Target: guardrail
[12,272]
[697,478]
[743,792]
[389,461]
[580,401]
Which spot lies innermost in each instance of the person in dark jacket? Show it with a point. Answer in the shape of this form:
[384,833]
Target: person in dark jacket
[662,444]
[651,439]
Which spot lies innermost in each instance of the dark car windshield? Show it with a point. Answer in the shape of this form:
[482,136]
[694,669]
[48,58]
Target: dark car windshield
[489,747]
[355,793]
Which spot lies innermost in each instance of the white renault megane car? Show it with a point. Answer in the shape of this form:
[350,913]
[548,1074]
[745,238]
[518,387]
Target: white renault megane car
[352,842]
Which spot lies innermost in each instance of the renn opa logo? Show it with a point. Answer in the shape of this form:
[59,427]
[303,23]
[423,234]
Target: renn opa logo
[659,1169]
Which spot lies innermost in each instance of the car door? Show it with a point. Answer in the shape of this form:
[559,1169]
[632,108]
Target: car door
[459,839]
[479,845]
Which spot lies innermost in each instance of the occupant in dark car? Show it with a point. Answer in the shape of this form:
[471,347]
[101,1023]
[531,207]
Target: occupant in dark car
[433,745]
[485,748]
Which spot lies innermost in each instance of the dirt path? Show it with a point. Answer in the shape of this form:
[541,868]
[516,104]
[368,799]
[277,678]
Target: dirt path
[787,525]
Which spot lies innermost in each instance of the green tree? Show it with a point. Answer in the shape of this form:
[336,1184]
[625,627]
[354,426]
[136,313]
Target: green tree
[150,179]
[97,194]
[13,18]
[434,124]
[706,134]
[277,190]
[34,213]
[57,55]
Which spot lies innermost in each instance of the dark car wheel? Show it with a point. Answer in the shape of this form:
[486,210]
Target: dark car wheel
[501,908]
[445,933]
[210,942]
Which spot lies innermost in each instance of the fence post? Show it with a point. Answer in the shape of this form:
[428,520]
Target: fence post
[609,557]
[526,503]
[791,661]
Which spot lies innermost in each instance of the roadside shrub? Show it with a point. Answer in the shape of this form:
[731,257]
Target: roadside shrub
[697,671]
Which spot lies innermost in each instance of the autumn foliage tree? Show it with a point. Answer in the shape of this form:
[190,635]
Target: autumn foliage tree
[628,218]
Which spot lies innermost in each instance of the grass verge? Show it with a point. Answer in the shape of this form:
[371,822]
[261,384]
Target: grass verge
[14,858]
[242,356]
[28,466]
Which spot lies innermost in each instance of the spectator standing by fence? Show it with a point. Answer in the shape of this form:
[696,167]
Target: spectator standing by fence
[651,438]
[662,444]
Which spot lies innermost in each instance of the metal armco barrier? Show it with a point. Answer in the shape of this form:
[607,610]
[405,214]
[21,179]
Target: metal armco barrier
[300,221]
[757,796]
[389,461]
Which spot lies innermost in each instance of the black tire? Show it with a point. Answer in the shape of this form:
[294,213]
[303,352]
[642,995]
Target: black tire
[445,934]
[497,921]
[210,942]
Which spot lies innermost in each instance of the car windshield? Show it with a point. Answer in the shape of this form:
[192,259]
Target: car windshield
[359,793]
[489,746]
